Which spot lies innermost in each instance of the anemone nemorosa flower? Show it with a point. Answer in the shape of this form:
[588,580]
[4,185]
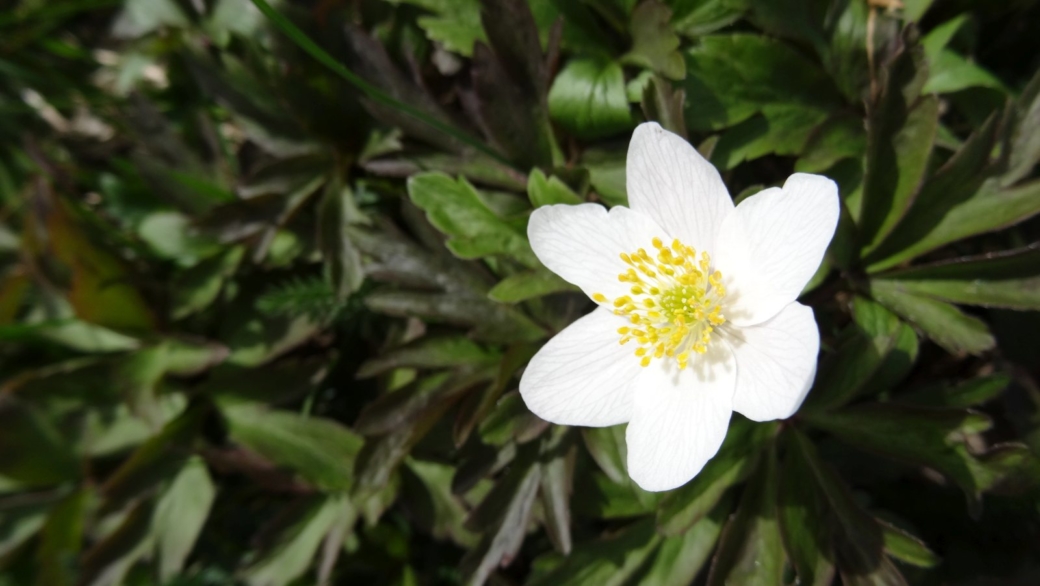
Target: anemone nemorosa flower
[697,313]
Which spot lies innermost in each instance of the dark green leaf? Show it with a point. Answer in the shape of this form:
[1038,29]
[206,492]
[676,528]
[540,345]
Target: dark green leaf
[921,436]
[61,539]
[751,550]
[959,396]
[291,554]
[32,451]
[502,516]
[588,98]
[610,561]
[681,557]
[342,260]
[490,321]
[954,183]
[901,130]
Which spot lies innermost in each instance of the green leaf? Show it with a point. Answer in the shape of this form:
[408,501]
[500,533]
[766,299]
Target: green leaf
[454,23]
[607,447]
[803,517]
[374,93]
[920,436]
[543,191]
[400,408]
[436,509]
[732,77]
[528,285]
[156,460]
[991,208]
[588,98]
[108,560]
[680,558]
[510,81]
[61,539]
[180,515]
[907,548]
[950,72]
[871,352]
[557,484]
[751,550]
[840,137]
[694,18]
[431,352]
[942,322]
[196,288]
[291,554]
[681,508]
[474,230]
[321,450]
[1009,279]
[490,321]
[664,104]
[34,453]
[901,130]
[779,130]
[610,561]
[957,181]
[654,44]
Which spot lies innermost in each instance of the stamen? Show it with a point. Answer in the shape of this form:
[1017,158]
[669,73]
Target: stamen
[675,302]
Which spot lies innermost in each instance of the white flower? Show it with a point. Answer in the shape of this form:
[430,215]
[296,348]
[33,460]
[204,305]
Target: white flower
[697,313]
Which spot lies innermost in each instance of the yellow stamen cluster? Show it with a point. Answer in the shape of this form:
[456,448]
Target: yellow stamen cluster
[674,302]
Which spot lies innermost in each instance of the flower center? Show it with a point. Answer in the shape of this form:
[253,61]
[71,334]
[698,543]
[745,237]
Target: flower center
[674,304]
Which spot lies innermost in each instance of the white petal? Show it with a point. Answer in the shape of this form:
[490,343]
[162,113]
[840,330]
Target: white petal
[583,376]
[772,244]
[776,363]
[583,243]
[680,418]
[668,180]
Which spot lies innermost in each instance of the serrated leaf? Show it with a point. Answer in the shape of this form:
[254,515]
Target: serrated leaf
[341,258]
[588,98]
[543,191]
[654,44]
[732,77]
[942,322]
[701,17]
[907,548]
[474,231]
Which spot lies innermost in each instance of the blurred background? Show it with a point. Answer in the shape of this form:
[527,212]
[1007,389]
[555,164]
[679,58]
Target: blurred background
[266,290]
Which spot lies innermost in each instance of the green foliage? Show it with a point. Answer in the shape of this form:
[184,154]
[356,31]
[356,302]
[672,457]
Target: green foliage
[266,290]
